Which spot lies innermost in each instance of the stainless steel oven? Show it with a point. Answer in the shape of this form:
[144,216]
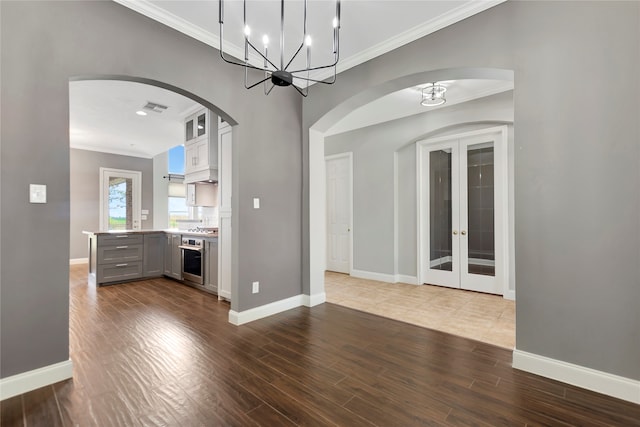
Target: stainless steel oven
[192,260]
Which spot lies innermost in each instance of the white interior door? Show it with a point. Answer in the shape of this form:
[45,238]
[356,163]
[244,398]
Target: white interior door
[339,190]
[120,199]
[462,212]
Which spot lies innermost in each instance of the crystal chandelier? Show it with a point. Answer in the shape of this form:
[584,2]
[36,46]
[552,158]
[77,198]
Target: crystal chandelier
[277,71]
[433,95]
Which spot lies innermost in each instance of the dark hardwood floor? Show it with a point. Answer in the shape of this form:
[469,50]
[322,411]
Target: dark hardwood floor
[156,353]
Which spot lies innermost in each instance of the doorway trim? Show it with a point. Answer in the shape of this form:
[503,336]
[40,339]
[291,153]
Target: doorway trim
[349,156]
[503,209]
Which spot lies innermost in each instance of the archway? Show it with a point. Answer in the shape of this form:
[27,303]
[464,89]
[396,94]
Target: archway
[318,131]
[110,101]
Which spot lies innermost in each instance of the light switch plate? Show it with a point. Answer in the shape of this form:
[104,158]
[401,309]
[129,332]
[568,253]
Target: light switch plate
[256,203]
[37,193]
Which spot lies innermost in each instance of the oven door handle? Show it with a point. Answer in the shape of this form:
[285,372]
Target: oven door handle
[190,248]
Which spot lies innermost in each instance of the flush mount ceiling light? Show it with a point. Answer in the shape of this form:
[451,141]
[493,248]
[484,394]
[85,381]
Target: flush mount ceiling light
[281,74]
[433,95]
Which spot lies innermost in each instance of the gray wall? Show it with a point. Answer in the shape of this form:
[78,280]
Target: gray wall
[577,164]
[373,150]
[84,186]
[43,45]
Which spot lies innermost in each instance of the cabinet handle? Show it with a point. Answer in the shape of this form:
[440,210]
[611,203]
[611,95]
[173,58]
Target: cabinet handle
[121,265]
[463,232]
[122,247]
[121,236]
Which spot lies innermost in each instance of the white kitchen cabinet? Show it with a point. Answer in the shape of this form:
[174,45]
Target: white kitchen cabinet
[201,147]
[202,194]
[196,126]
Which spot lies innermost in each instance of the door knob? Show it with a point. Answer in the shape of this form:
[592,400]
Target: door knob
[455,232]
[463,233]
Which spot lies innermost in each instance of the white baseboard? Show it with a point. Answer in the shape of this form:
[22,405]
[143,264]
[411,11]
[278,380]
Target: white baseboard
[74,261]
[510,295]
[598,381]
[31,380]
[381,277]
[410,280]
[242,317]
[313,300]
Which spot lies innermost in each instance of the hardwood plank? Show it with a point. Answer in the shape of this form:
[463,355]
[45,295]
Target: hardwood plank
[285,404]
[265,415]
[11,412]
[41,407]
[155,352]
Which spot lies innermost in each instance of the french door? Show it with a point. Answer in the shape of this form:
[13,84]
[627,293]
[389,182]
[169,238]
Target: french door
[462,211]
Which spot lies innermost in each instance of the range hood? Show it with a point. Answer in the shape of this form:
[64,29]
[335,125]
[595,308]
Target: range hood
[207,175]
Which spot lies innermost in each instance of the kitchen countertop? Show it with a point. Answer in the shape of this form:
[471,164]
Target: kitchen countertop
[150,231]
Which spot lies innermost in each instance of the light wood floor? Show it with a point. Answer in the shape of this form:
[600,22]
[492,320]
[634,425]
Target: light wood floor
[482,317]
[157,353]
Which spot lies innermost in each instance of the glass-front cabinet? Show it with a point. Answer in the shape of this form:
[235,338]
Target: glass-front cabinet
[196,126]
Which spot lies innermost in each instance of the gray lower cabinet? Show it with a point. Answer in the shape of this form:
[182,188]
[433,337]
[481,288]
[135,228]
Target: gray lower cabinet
[116,258]
[153,259]
[173,256]
[211,264]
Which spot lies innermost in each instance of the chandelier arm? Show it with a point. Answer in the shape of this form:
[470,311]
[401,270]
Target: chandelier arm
[316,68]
[294,55]
[256,84]
[267,92]
[262,55]
[229,61]
[315,81]
[300,91]
[241,64]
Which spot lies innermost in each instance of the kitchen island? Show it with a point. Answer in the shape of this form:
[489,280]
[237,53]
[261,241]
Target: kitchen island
[128,255]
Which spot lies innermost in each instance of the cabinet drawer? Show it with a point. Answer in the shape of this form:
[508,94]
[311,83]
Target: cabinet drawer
[119,271]
[120,239]
[120,253]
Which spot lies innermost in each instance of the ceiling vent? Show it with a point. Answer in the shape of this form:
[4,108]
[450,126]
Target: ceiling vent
[156,108]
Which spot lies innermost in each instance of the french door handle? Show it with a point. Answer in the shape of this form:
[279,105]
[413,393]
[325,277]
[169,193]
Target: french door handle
[463,232]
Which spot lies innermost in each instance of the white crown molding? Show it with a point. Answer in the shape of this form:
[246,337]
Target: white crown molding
[157,13]
[463,11]
[109,151]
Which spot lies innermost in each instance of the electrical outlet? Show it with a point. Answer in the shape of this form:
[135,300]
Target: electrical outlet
[256,287]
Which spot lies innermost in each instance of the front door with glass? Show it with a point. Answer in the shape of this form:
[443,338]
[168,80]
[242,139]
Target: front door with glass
[120,199]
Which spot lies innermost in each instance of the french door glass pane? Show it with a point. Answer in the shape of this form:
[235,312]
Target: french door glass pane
[440,257]
[481,222]
[120,203]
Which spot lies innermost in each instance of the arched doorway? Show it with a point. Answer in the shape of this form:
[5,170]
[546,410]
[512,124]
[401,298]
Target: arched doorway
[319,132]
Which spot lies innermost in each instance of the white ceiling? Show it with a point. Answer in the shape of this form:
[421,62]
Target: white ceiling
[406,102]
[102,113]
[102,117]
